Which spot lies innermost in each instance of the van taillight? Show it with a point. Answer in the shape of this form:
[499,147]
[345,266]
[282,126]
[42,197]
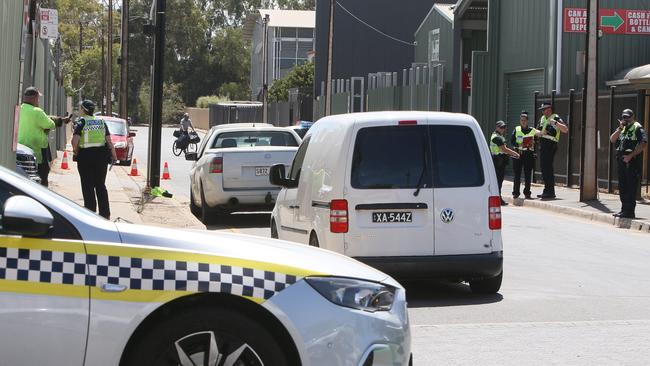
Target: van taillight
[216,165]
[339,216]
[494,212]
[408,123]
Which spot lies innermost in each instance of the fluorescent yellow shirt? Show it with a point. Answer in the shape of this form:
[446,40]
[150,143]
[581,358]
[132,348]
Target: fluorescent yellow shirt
[31,129]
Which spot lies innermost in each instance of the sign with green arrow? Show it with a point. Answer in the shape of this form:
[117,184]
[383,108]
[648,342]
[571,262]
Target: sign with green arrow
[612,21]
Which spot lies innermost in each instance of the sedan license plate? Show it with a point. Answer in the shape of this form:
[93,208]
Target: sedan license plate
[262,171]
[392,217]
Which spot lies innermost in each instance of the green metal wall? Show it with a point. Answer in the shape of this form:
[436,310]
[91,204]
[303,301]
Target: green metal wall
[616,52]
[433,21]
[10,29]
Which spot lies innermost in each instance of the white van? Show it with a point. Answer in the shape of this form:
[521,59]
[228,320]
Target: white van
[413,194]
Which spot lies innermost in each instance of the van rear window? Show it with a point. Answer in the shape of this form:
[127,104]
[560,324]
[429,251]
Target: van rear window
[390,157]
[394,157]
[456,158]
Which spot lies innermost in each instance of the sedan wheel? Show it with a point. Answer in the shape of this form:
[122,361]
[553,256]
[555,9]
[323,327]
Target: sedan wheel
[207,215]
[194,209]
[207,337]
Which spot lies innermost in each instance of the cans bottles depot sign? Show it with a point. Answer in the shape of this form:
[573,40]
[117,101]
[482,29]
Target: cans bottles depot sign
[49,24]
[612,21]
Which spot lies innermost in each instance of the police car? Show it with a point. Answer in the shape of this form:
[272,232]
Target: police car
[76,289]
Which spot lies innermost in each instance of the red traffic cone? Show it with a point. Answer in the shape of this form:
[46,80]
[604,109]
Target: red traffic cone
[134,168]
[64,161]
[166,175]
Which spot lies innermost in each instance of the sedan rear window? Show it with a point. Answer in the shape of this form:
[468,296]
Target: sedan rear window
[254,139]
[116,128]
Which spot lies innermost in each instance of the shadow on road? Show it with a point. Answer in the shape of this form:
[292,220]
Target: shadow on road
[435,293]
[241,221]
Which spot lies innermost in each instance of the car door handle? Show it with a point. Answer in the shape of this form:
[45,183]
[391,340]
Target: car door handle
[294,206]
[111,287]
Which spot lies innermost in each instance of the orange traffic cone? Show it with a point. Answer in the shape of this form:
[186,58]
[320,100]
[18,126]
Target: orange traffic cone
[134,168]
[166,175]
[64,161]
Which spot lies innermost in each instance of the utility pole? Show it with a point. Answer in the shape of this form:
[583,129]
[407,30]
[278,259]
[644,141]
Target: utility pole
[328,91]
[103,42]
[81,48]
[589,181]
[109,85]
[124,61]
[265,72]
[155,123]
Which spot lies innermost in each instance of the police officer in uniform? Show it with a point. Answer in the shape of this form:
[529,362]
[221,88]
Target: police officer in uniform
[523,141]
[500,153]
[550,127]
[630,140]
[93,150]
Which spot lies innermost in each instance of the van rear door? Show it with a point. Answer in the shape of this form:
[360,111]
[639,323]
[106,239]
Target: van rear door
[461,189]
[388,214]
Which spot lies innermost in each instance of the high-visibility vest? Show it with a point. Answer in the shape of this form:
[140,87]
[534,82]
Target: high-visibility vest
[93,133]
[542,126]
[627,138]
[494,148]
[520,135]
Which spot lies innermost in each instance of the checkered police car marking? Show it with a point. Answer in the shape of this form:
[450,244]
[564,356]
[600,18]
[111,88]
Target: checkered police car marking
[68,268]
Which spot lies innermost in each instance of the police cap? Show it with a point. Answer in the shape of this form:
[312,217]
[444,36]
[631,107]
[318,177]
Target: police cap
[88,106]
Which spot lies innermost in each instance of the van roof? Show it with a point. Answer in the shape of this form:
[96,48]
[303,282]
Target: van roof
[347,121]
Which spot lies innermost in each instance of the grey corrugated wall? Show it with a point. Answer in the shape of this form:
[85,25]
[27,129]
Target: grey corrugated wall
[10,29]
[435,20]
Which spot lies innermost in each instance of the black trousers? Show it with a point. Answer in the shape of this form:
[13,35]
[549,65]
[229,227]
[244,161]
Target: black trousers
[44,173]
[526,162]
[92,166]
[546,156]
[628,182]
[500,162]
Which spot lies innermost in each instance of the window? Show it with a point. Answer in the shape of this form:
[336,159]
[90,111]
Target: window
[456,158]
[296,166]
[253,139]
[305,33]
[288,49]
[391,157]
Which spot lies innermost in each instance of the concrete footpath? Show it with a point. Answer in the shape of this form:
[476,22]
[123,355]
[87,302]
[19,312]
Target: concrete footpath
[126,198]
[568,202]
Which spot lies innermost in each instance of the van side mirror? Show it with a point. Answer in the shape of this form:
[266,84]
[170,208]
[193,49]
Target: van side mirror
[131,134]
[25,216]
[191,156]
[277,176]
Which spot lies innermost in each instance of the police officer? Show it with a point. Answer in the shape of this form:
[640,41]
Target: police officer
[630,140]
[523,141]
[93,150]
[500,153]
[550,127]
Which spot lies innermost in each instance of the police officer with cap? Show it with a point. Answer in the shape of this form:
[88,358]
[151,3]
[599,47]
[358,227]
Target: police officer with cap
[523,141]
[93,150]
[550,127]
[630,140]
[500,153]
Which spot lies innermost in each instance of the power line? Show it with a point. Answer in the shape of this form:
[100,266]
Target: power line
[373,28]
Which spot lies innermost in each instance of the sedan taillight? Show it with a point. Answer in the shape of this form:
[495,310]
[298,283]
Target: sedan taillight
[216,165]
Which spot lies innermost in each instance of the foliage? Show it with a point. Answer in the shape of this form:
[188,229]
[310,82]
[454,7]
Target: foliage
[235,91]
[301,77]
[173,107]
[205,101]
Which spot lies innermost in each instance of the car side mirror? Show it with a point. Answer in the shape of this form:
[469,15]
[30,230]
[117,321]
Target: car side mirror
[277,176]
[25,216]
[191,156]
[131,134]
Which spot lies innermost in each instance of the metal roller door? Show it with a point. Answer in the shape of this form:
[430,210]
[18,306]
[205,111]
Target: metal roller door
[520,89]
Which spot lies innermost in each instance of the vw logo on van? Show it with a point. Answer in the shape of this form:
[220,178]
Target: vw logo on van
[447,215]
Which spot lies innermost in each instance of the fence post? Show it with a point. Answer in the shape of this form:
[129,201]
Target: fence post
[610,151]
[569,159]
[411,87]
[582,140]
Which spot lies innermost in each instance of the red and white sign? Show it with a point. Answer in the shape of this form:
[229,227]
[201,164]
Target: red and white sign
[612,21]
[49,25]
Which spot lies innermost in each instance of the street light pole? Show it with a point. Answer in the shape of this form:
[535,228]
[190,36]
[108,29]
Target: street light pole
[328,92]
[265,72]
[155,123]
[589,182]
[124,63]
[109,84]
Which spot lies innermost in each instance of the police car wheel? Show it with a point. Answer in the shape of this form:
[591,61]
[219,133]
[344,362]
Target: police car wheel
[208,336]
[487,285]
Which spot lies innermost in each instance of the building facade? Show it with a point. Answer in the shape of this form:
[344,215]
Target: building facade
[290,41]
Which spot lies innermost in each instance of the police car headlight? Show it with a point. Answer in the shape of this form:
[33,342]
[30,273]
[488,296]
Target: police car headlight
[353,293]
[120,145]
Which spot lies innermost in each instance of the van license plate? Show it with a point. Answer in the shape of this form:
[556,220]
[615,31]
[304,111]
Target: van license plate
[391,217]
[262,171]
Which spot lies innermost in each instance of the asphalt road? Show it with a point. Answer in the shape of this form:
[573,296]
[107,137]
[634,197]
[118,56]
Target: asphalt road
[574,293]
[179,184]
